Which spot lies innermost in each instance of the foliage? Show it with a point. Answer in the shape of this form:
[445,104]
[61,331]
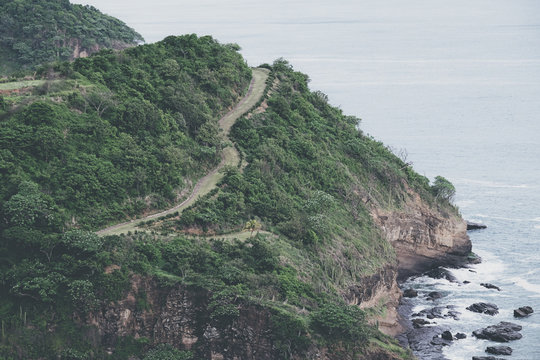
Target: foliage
[167,352]
[289,333]
[34,32]
[443,189]
[131,139]
[252,225]
[341,323]
[119,133]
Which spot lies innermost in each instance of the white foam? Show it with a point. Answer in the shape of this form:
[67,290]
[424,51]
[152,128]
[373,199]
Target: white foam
[504,218]
[537,227]
[532,272]
[492,184]
[491,266]
[524,284]
[464,348]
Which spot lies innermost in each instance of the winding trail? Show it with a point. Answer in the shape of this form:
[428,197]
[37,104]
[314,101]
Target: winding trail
[229,156]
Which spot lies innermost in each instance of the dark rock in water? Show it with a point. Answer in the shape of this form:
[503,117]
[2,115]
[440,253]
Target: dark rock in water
[484,308]
[453,314]
[490,286]
[466,282]
[447,335]
[475,226]
[502,332]
[474,259]
[499,350]
[440,273]
[486,358]
[460,336]
[418,323]
[434,295]
[523,311]
[439,312]
[410,293]
[425,343]
[433,313]
[437,341]
[419,339]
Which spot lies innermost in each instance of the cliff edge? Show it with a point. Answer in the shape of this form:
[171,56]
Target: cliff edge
[424,236]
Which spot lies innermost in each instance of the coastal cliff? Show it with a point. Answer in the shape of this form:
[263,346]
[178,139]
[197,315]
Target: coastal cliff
[180,315]
[424,236]
[293,252]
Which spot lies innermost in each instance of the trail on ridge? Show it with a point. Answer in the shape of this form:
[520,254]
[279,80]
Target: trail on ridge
[230,156]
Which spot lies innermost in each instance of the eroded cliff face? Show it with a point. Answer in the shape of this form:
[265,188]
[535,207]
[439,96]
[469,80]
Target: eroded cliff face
[379,291]
[424,236]
[180,316]
[79,51]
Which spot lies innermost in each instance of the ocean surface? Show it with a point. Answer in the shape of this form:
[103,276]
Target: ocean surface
[453,84]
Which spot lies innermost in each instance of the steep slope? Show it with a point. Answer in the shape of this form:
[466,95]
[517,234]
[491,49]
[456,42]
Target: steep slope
[33,32]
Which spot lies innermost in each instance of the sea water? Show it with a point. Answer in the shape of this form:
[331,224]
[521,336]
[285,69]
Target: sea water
[451,85]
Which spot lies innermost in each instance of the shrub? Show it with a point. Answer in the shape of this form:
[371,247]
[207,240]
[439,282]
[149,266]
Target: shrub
[443,189]
[167,352]
[345,323]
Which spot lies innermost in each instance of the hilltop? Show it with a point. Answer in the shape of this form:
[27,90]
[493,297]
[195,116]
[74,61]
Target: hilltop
[33,32]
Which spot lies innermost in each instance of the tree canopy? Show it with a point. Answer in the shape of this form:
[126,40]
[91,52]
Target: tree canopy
[33,32]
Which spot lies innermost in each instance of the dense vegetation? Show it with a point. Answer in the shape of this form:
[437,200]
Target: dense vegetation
[33,32]
[71,153]
[117,134]
[304,157]
[97,140]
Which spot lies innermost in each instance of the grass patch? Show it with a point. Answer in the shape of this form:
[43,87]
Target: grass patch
[21,84]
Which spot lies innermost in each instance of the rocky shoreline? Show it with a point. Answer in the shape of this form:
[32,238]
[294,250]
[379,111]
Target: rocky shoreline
[422,333]
[427,337]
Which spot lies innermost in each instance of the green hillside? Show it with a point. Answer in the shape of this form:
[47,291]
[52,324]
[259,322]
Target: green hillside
[33,32]
[282,243]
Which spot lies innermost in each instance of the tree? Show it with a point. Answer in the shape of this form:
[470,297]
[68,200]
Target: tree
[341,322]
[252,225]
[100,100]
[443,189]
[29,207]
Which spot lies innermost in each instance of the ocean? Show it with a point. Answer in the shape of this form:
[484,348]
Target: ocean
[453,85]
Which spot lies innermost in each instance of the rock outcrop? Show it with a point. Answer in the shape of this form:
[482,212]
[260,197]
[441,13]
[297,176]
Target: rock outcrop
[523,311]
[424,237]
[502,332]
[499,350]
[410,293]
[475,226]
[377,289]
[484,308]
[490,286]
[180,316]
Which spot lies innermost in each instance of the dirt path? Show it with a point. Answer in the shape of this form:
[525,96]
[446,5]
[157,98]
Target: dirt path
[229,156]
